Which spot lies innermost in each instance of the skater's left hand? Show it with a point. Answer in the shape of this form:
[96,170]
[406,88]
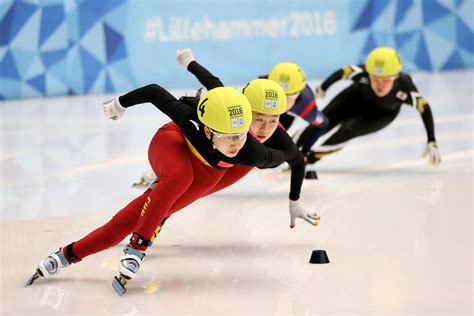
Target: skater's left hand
[319,92]
[184,57]
[431,150]
[297,211]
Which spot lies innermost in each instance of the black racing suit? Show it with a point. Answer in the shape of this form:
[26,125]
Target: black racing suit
[358,111]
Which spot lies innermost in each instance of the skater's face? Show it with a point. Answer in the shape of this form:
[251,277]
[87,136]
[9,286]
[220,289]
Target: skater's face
[382,85]
[264,125]
[291,99]
[227,144]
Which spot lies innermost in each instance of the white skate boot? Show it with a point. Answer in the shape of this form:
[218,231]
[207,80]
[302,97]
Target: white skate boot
[146,180]
[49,266]
[128,267]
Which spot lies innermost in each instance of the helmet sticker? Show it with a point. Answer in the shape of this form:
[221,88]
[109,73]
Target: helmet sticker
[379,63]
[284,85]
[271,99]
[284,78]
[378,67]
[284,81]
[237,121]
[271,104]
[236,115]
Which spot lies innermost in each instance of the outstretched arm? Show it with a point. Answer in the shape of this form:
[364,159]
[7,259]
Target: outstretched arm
[427,116]
[431,149]
[281,140]
[418,102]
[186,59]
[152,93]
[346,72]
[295,207]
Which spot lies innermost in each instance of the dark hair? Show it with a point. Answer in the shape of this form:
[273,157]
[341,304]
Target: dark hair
[192,100]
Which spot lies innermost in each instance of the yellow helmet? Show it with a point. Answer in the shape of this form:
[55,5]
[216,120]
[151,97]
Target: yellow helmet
[289,76]
[266,96]
[383,62]
[225,110]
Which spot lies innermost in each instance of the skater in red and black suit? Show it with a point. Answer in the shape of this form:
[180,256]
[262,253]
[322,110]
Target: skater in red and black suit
[201,144]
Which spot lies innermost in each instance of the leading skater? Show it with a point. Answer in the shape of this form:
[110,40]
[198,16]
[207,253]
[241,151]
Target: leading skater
[201,143]
[267,100]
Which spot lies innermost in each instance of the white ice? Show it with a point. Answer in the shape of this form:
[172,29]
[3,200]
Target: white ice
[398,231]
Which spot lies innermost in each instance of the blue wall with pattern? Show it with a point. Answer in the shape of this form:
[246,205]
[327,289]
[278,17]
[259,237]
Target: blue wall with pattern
[67,47]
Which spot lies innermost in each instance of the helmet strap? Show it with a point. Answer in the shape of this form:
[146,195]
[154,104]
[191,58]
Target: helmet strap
[211,136]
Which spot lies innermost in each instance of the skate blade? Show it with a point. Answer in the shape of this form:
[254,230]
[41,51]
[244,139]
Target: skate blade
[118,285]
[139,185]
[33,278]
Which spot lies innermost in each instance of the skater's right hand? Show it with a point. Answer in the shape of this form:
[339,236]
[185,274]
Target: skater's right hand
[297,211]
[185,57]
[431,150]
[113,109]
[319,92]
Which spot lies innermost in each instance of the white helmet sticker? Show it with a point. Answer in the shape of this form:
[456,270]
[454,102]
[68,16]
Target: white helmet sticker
[271,104]
[237,121]
[284,85]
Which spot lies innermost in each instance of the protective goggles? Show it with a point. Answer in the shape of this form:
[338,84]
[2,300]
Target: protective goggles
[229,137]
[384,79]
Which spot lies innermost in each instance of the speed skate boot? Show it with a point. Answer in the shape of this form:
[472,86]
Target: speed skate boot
[146,180]
[49,266]
[128,267]
[312,157]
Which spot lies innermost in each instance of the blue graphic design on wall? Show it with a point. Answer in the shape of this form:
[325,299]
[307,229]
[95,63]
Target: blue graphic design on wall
[52,48]
[429,35]
[67,47]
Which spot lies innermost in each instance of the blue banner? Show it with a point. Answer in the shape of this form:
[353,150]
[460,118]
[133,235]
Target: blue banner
[61,47]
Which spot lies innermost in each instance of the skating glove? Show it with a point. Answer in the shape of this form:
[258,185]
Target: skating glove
[113,109]
[431,150]
[184,57]
[319,92]
[297,211]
